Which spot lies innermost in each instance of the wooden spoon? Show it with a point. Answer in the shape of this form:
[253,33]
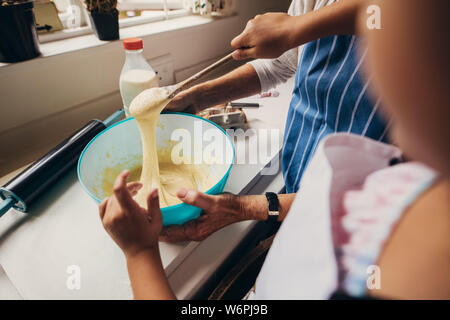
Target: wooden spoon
[175,89]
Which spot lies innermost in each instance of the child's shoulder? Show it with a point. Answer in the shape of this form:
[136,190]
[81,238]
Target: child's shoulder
[419,244]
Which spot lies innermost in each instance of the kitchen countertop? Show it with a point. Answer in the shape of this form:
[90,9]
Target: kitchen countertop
[40,251]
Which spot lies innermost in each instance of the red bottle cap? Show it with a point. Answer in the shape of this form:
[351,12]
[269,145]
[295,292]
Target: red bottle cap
[133,44]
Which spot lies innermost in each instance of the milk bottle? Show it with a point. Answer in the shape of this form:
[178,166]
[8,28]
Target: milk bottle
[137,75]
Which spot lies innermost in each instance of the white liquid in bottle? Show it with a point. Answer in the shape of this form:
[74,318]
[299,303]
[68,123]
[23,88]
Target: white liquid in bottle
[134,81]
[137,75]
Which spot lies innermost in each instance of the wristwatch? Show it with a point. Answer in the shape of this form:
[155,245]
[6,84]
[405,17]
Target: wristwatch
[274,206]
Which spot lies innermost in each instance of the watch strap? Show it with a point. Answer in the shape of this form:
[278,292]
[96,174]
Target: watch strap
[274,206]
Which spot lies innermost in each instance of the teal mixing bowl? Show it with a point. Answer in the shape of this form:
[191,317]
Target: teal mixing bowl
[119,147]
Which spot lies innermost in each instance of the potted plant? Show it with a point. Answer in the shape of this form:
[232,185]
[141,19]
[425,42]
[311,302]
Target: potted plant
[104,18]
[18,36]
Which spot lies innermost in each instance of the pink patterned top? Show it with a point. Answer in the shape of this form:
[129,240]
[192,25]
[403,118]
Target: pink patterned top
[371,213]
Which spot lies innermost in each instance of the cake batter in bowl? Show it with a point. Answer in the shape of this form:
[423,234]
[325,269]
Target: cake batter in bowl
[119,147]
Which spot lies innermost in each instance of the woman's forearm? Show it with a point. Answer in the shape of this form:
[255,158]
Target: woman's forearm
[255,207]
[147,276]
[335,19]
[239,83]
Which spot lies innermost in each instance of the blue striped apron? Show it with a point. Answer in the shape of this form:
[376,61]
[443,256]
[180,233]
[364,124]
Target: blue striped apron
[329,96]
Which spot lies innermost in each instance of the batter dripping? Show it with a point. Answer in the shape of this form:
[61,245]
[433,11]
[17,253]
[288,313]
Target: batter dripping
[146,108]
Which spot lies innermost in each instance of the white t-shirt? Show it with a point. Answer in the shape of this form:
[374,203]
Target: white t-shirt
[272,72]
